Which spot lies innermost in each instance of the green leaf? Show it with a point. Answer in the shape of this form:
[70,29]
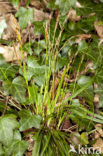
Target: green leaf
[28,49]
[15,2]
[38,28]
[25,16]
[88,93]
[84,138]
[17,148]
[16,88]
[65,5]
[61,61]
[6,69]
[82,45]
[83,80]
[36,71]
[39,46]
[17,135]
[3,25]
[28,120]
[7,125]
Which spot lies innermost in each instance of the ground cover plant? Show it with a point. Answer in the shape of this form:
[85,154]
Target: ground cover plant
[51,77]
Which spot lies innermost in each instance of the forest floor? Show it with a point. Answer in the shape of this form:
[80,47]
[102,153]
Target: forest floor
[51,77]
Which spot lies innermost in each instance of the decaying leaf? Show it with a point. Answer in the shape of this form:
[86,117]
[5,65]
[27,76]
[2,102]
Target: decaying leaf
[99,129]
[9,32]
[11,53]
[40,15]
[35,4]
[99,144]
[66,124]
[3,26]
[73,16]
[30,140]
[5,7]
[82,37]
[98,25]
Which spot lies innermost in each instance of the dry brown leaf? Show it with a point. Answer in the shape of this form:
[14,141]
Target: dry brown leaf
[22,2]
[99,144]
[99,129]
[40,15]
[5,7]
[98,28]
[73,16]
[29,139]
[75,137]
[66,124]
[36,4]
[9,32]
[82,37]
[11,53]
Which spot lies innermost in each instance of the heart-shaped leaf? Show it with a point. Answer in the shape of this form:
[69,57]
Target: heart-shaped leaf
[28,120]
[7,125]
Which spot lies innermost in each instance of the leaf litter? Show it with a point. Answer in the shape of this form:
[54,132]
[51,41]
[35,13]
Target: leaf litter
[23,26]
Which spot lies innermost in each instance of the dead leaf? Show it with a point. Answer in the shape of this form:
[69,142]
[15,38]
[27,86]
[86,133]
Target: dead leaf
[11,53]
[99,129]
[66,124]
[29,139]
[99,144]
[36,4]
[40,15]
[22,2]
[82,37]
[75,137]
[5,7]
[9,32]
[73,16]
[99,28]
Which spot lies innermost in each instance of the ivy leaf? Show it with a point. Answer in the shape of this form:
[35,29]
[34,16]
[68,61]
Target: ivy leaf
[39,46]
[17,148]
[6,69]
[82,45]
[28,120]
[25,16]
[3,25]
[35,70]
[16,88]
[65,5]
[38,28]
[88,93]
[61,61]
[20,147]
[28,49]
[7,125]
[84,138]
